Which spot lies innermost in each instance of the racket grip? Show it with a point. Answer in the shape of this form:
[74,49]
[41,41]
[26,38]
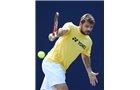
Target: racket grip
[55,33]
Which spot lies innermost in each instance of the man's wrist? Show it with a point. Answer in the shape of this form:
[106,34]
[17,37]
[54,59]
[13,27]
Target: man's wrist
[89,71]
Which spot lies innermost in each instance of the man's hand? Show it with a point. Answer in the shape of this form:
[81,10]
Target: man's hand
[52,36]
[92,77]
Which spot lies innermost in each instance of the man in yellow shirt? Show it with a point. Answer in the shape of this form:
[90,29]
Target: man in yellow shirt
[72,41]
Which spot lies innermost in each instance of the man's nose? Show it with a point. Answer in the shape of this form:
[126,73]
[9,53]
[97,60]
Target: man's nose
[88,29]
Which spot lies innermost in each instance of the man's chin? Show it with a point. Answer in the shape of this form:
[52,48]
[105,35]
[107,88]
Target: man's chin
[87,33]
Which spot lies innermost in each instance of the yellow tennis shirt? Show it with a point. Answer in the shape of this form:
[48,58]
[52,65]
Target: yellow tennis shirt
[69,46]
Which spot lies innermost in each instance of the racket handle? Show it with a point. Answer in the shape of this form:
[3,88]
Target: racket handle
[55,33]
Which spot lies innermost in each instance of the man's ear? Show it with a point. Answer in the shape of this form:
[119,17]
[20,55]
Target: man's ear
[80,24]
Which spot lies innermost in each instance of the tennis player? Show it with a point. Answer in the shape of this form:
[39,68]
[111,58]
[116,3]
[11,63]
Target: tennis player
[72,41]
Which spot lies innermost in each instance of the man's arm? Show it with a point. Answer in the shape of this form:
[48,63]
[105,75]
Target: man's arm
[86,61]
[60,32]
[91,74]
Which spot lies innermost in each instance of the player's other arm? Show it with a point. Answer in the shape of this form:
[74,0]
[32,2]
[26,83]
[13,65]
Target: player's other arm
[92,76]
[86,61]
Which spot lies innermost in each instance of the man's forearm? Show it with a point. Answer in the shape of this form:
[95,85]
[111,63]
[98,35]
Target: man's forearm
[86,61]
[61,32]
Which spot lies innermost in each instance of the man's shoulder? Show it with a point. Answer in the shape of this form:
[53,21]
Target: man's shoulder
[70,24]
[89,39]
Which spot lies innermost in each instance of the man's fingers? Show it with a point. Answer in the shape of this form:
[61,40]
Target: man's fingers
[92,82]
[93,79]
[96,80]
[51,37]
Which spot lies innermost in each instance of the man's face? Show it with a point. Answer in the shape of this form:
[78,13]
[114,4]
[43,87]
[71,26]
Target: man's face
[86,28]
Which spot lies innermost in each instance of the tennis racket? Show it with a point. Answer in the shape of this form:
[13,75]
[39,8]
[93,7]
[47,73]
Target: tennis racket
[55,27]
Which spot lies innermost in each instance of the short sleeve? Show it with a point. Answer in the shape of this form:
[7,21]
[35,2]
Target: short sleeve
[87,51]
[68,26]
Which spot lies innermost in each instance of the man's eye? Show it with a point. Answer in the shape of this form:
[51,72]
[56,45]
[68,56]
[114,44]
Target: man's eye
[87,26]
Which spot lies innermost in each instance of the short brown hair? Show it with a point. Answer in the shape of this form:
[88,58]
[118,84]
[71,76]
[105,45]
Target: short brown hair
[87,17]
